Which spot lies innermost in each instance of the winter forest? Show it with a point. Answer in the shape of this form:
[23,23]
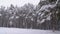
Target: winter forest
[46,15]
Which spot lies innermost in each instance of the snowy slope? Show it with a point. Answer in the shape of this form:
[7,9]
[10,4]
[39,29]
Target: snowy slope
[25,31]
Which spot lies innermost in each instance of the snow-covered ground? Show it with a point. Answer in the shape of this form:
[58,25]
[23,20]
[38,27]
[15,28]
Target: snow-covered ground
[25,31]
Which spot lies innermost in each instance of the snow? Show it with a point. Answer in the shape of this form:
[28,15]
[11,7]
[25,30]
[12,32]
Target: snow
[31,19]
[48,18]
[26,17]
[45,7]
[17,17]
[33,14]
[57,1]
[11,17]
[56,12]
[43,20]
[39,13]
[25,31]
[42,14]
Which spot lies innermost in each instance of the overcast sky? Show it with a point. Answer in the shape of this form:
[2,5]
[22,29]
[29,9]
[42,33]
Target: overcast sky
[17,2]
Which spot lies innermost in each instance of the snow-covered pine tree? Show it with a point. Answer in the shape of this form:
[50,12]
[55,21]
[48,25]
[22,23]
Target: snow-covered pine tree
[46,10]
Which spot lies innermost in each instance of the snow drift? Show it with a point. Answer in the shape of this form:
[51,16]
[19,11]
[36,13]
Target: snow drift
[25,31]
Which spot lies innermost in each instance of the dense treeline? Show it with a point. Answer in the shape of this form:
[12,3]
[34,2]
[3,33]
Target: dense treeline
[29,16]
